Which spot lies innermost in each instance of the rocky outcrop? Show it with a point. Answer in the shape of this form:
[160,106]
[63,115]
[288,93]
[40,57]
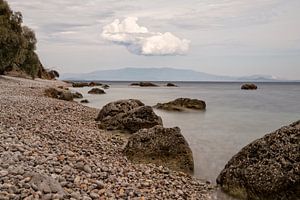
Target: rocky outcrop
[96,91]
[127,115]
[84,101]
[105,86]
[162,146]
[77,95]
[268,168]
[248,86]
[53,74]
[93,84]
[171,85]
[117,107]
[59,94]
[144,84]
[80,84]
[182,104]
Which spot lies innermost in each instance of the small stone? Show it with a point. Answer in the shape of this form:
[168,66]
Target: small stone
[87,169]
[47,197]
[100,184]
[70,153]
[180,192]
[77,180]
[3,173]
[94,195]
[76,195]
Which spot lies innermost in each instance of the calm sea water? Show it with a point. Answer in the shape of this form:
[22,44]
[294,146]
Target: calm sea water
[233,117]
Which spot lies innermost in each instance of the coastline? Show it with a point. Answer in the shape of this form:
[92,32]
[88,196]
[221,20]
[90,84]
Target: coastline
[60,139]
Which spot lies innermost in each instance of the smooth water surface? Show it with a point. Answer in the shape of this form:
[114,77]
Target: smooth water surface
[233,117]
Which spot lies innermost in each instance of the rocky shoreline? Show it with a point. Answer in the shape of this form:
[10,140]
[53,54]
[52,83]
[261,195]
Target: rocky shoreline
[53,149]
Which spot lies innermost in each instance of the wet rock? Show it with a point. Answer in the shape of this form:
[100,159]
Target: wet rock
[182,104]
[96,91]
[161,146]
[268,168]
[249,86]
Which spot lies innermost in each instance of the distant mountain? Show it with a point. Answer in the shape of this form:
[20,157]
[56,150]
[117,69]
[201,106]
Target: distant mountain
[158,74]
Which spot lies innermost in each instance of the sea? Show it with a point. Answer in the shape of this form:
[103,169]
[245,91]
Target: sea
[233,117]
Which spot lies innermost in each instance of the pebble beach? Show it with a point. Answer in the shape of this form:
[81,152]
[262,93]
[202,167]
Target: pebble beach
[53,149]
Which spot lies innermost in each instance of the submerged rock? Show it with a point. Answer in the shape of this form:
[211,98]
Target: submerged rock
[182,104]
[96,91]
[161,146]
[268,168]
[248,86]
[128,115]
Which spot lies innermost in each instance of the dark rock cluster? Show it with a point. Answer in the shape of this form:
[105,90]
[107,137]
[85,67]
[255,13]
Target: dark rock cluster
[150,142]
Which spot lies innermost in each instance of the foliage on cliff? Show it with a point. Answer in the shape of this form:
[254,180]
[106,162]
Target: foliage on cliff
[18,44]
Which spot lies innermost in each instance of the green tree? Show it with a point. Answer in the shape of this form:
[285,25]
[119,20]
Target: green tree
[17,44]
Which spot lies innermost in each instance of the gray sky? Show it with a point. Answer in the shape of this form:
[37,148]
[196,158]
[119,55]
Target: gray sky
[226,37]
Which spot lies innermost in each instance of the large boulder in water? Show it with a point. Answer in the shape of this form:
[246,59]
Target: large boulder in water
[249,86]
[268,168]
[161,146]
[182,104]
[127,115]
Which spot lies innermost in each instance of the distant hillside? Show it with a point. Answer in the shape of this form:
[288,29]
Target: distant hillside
[158,74]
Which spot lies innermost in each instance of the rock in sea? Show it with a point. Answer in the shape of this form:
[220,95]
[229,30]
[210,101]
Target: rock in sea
[144,84]
[182,104]
[96,91]
[249,86]
[268,168]
[162,146]
[171,85]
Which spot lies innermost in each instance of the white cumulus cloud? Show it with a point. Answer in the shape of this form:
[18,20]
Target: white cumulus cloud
[139,40]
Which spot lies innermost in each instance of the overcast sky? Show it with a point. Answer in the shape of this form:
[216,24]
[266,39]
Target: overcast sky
[226,37]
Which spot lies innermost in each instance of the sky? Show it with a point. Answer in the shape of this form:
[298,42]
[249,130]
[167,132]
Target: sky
[223,37]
